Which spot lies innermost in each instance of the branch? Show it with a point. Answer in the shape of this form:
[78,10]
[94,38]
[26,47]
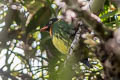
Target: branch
[7,74]
[94,6]
[95,23]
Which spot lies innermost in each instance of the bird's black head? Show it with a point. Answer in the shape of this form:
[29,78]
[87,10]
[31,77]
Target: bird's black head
[52,21]
[48,25]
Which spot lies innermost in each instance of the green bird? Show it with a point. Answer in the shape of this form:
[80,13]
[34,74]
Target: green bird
[62,35]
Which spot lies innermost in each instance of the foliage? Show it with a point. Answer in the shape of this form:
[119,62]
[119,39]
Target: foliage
[28,54]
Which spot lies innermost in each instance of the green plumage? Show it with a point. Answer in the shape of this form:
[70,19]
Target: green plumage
[61,36]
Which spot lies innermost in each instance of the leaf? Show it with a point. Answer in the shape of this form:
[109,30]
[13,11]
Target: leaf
[40,18]
[107,15]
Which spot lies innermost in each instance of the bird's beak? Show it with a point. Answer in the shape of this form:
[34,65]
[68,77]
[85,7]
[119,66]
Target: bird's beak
[44,29]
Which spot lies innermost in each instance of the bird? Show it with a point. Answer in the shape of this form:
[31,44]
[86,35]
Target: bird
[62,35]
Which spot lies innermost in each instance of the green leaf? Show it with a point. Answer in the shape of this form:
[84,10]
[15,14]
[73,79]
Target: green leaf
[40,18]
[107,15]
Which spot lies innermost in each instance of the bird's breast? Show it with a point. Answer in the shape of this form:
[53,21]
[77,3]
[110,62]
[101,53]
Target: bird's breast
[61,44]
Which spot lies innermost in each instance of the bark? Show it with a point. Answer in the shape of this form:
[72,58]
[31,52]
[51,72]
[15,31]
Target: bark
[8,21]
